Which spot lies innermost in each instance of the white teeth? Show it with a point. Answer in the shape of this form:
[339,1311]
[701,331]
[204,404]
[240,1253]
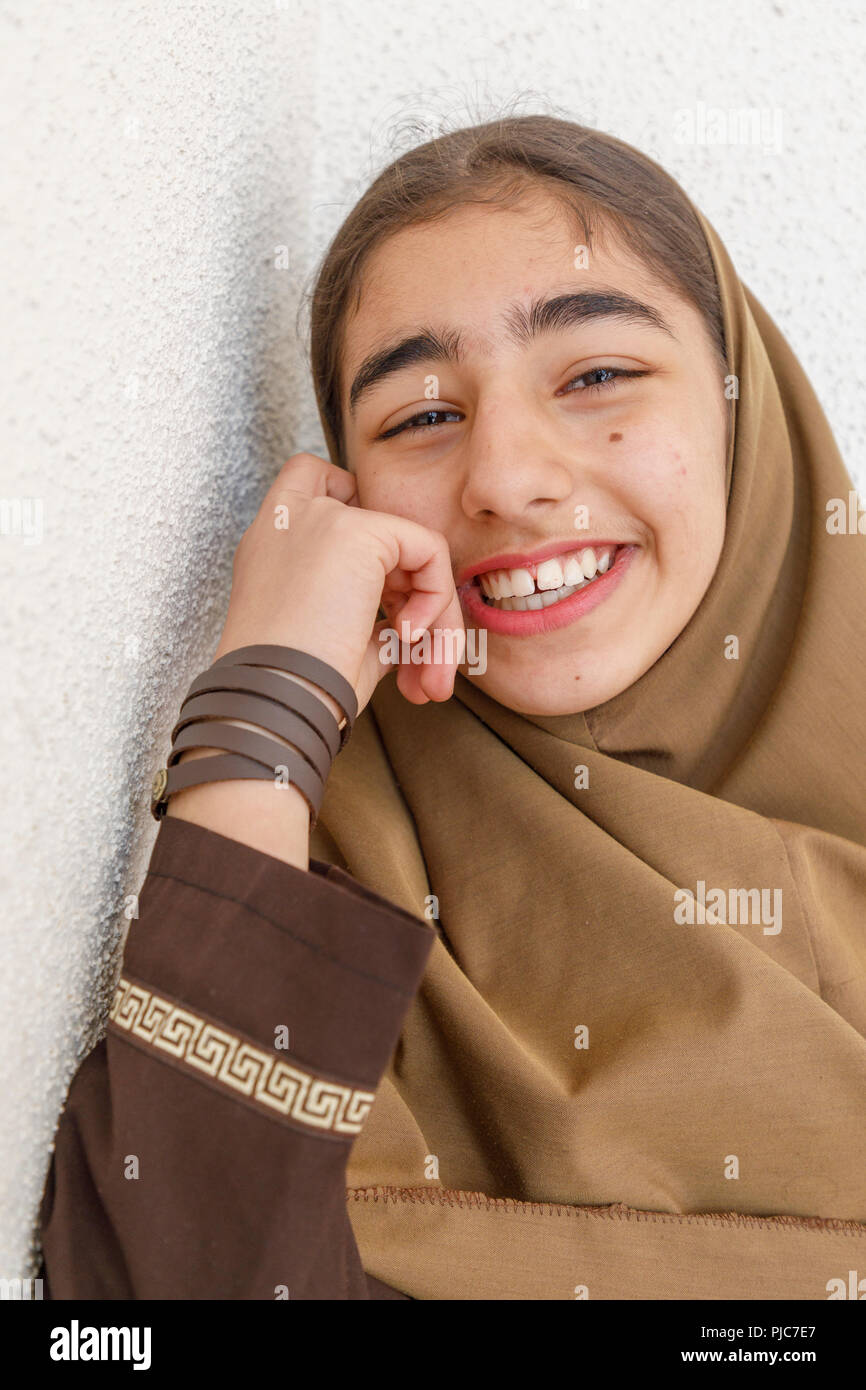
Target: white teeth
[555,579]
[521,582]
[548,575]
[572,572]
[543,600]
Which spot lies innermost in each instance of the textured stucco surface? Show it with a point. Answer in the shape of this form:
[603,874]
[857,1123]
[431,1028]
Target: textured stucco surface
[156,156]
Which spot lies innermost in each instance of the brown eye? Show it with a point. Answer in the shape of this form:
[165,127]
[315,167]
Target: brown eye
[426,420]
[609,375]
[410,427]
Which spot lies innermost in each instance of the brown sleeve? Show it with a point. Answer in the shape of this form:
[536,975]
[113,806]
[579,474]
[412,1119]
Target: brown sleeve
[197,1155]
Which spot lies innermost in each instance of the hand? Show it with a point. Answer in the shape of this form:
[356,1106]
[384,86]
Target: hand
[313,568]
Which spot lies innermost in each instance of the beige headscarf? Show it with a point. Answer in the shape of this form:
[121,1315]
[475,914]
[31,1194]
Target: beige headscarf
[590,1097]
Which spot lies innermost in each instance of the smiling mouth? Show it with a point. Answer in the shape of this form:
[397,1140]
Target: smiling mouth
[547,583]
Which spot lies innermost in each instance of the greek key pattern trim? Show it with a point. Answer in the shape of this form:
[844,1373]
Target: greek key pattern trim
[238,1064]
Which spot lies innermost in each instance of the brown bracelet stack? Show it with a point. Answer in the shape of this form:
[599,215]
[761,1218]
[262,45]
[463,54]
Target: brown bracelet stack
[236,687]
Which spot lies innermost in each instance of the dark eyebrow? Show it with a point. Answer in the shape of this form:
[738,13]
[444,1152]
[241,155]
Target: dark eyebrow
[550,315]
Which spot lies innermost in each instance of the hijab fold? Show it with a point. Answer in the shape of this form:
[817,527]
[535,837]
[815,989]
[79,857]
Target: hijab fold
[588,1093]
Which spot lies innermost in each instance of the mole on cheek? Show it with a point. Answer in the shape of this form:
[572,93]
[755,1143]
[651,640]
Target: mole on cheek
[615,438]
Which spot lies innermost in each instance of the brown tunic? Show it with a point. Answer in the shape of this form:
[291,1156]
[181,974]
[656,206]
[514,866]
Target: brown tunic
[202,1149]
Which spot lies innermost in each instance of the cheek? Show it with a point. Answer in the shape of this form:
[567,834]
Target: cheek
[655,476]
[678,492]
[384,490]
[376,490]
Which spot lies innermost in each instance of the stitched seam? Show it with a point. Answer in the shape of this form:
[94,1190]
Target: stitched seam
[618,1211]
[286,931]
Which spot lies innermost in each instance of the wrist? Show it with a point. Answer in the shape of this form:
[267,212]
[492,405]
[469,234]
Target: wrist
[268,816]
[271,816]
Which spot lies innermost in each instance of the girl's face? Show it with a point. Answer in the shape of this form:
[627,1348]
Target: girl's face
[566,434]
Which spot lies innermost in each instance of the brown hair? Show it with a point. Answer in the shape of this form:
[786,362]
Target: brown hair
[602,182]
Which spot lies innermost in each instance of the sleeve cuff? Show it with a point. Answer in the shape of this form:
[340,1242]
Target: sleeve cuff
[273,951]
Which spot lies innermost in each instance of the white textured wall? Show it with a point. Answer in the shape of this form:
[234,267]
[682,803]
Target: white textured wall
[155,155]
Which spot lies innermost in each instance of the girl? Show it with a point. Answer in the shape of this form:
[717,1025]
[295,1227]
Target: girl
[584,912]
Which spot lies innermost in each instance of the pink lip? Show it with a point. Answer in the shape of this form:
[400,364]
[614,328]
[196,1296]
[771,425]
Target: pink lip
[515,560]
[535,620]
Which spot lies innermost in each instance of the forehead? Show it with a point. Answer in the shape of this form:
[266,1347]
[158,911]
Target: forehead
[465,270]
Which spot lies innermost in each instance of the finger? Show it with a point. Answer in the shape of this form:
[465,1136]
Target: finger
[398,586]
[447,650]
[353,499]
[428,666]
[419,680]
[343,485]
[424,568]
[377,663]
[393,600]
[419,612]
[310,475]
[422,557]
[446,630]
[419,677]
[382,657]
[409,685]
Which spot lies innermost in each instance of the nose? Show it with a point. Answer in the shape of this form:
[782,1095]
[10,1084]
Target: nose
[512,466]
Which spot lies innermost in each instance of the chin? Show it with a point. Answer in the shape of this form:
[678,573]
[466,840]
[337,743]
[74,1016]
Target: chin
[519,696]
[539,691]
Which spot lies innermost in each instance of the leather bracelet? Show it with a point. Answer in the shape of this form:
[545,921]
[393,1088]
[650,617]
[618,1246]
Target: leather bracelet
[258,709]
[259,748]
[227,767]
[265,698]
[255,680]
[298,663]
